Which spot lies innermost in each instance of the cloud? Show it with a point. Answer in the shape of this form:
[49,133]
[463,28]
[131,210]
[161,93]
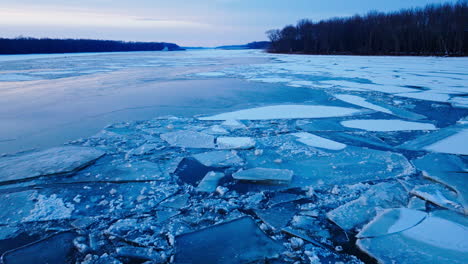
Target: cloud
[17,17]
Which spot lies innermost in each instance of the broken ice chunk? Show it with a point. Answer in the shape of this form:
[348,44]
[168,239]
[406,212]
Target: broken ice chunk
[264,175]
[237,241]
[449,170]
[216,130]
[440,196]
[60,160]
[411,236]
[356,213]
[189,139]
[277,216]
[319,142]
[387,125]
[218,159]
[49,208]
[176,202]
[54,249]
[235,142]
[233,124]
[139,254]
[210,182]
[285,112]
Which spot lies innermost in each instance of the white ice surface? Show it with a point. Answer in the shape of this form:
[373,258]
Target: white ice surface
[387,125]
[455,144]
[319,142]
[285,112]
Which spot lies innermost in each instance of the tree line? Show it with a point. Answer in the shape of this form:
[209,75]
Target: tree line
[46,45]
[440,30]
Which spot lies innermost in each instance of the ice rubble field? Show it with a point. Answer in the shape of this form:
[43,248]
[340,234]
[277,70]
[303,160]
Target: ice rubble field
[375,172]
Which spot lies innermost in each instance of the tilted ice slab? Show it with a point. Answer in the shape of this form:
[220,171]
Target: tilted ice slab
[358,212]
[387,125]
[452,140]
[439,195]
[449,170]
[237,241]
[285,112]
[264,175]
[411,236]
[52,161]
[210,182]
[189,139]
[319,142]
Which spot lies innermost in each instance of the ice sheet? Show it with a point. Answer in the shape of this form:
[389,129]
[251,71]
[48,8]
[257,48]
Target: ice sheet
[285,112]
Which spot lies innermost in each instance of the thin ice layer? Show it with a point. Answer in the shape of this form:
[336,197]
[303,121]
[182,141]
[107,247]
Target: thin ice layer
[237,241]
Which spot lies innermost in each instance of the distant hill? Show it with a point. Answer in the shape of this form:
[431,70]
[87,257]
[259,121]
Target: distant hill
[251,45]
[46,45]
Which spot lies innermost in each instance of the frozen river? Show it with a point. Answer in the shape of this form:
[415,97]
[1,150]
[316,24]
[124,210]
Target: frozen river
[47,100]
[255,156]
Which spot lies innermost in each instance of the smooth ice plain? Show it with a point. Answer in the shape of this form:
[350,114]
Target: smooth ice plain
[216,156]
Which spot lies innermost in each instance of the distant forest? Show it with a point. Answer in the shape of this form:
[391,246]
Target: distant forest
[46,45]
[440,30]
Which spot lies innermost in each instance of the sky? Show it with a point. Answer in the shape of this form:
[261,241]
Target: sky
[205,23]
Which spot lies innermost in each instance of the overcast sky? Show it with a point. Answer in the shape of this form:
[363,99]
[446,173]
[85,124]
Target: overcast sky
[185,22]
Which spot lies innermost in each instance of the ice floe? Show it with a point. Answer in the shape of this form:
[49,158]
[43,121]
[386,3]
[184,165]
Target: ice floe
[319,142]
[285,112]
[387,125]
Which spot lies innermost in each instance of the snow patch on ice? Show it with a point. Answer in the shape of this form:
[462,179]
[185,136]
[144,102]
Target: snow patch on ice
[387,125]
